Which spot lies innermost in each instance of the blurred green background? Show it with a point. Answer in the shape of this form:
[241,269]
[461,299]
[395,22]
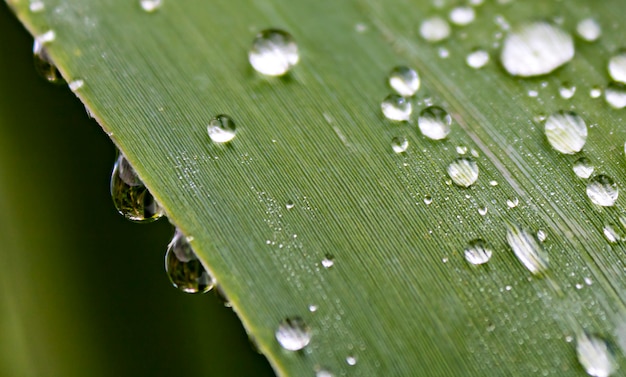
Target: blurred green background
[83,291]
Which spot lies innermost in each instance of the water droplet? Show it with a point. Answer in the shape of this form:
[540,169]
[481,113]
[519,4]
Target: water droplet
[395,107]
[44,65]
[150,5]
[36,6]
[512,202]
[463,171]
[477,252]
[76,84]
[595,355]
[541,235]
[615,95]
[567,91]
[404,80]
[293,334]
[566,132]
[46,37]
[527,249]
[434,123]
[328,261]
[536,49]
[583,168]
[477,59]
[273,52]
[428,199]
[443,52]
[221,129]
[323,373]
[461,149]
[595,92]
[493,183]
[435,29]
[589,29]
[462,15]
[290,204]
[130,197]
[617,67]
[312,308]
[602,190]
[221,295]
[533,93]
[482,211]
[399,144]
[351,360]
[611,234]
[183,267]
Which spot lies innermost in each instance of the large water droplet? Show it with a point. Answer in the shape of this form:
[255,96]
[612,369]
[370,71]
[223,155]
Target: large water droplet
[44,65]
[477,252]
[595,355]
[589,29]
[404,80]
[273,52]
[435,29]
[602,190]
[293,334]
[617,67]
[583,168]
[434,123]
[566,132]
[463,171]
[615,95]
[150,5]
[395,107]
[527,249]
[536,49]
[183,267]
[462,15]
[131,198]
[221,129]
[399,144]
[477,59]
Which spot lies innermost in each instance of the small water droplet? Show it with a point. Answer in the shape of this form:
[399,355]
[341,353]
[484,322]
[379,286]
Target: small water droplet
[395,107]
[351,360]
[130,197]
[434,123]
[290,204]
[612,234]
[273,52]
[221,129]
[482,211]
[399,144]
[404,80]
[536,49]
[615,95]
[567,91]
[47,37]
[44,66]
[183,267]
[322,372]
[541,235]
[462,15]
[617,67]
[328,261]
[595,92]
[602,190]
[566,132]
[588,281]
[428,199]
[443,52]
[583,168]
[595,355]
[512,202]
[532,93]
[589,29]
[477,252]
[477,58]
[36,6]
[461,149]
[360,27]
[293,334]
[221,295]
[150,5]
[527,249]
[76,84]
[463,171]
[312,308]
[493,183]
[435,29]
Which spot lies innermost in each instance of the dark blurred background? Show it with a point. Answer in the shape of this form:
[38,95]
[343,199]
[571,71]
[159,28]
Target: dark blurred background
[83,292]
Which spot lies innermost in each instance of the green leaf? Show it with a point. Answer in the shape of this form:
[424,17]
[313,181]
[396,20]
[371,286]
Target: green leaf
[400,298]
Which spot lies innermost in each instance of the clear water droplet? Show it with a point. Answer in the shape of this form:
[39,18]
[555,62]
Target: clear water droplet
[399,144]
[583,168]
[536,49]
[322,372]
[290,204]
[617,67]
[443,52]
[274,52]
[512,202]
[589,29]
[615,95]
[404,80]
[183,267]
[434,123]
[463,171]
[461,149]
[36,6]
[428,199]
[541,235]
[612,234]
[435,29]
[47,37]
[477,252]
[566,132]
[76,84]
[567,91]
[477,59]
[595,92]
[527,249]
[462,15]
[130,197]
[312,308]
[595,356]
[483,211]
[602,190]
[328,261]
[351,360]
[293,334]
[44,66]
[533,93]
[221,129]
[396,107]
[493,183]
[150,5]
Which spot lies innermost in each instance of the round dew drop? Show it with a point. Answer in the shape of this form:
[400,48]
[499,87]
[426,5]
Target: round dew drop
[150,5]
[617,67]
[293,334]
[589,29]
[566,132]
[221,129]
[435,29]
[615,95]
[404,80]
[183,267]
[463,171]
[477,59]
[399,144]
[463,15]
[595,355]
[273,53]
[477,252]
[434,123]
[536,49]
[583,168]
[602,190]
[395,107]
[567,91]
